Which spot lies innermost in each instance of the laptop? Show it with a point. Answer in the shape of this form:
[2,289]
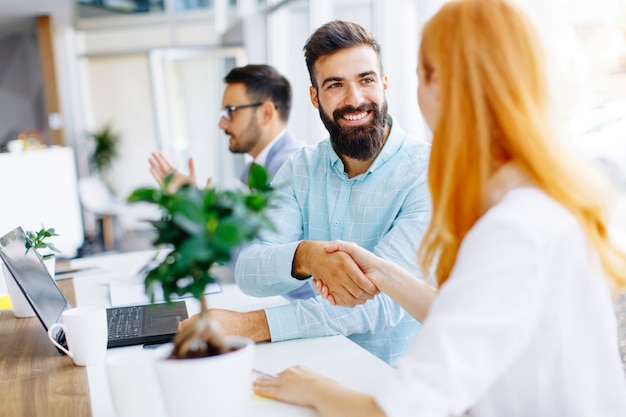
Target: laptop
[130,325]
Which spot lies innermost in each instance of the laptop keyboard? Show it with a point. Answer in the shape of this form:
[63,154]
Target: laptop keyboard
[125,322]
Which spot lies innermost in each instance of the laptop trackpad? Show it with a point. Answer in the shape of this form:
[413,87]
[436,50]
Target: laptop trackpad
[162,318]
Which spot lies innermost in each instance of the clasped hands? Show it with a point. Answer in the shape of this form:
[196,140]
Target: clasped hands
[349,275]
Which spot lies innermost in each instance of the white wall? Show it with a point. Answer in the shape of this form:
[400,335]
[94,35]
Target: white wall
[120,93]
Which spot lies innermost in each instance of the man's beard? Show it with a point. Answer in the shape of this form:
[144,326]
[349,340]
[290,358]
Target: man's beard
[246,139]
[357,142]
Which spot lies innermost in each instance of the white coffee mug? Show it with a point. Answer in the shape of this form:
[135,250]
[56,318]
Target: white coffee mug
[86,334]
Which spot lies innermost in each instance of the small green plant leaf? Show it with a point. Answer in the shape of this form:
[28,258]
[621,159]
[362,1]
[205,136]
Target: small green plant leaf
[39,239]
[258,178]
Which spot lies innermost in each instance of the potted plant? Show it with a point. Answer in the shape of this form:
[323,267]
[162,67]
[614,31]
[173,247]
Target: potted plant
[39,241]
[106,142]
[202,227]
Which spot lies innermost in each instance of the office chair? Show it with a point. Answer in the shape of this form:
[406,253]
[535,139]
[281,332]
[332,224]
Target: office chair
[97,199]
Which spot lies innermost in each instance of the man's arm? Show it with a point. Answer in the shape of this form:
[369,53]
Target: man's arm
[252,325]
[264,267]
[313,317]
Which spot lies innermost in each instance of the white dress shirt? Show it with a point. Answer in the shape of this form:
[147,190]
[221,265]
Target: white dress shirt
[524,326]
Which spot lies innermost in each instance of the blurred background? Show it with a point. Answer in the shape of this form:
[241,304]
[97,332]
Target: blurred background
[118,79]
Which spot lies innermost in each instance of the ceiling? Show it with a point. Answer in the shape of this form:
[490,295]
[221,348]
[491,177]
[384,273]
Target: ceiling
[18,15]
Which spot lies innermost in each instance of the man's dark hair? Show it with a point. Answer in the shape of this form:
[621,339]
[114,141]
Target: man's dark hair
[263,83]
[333,36]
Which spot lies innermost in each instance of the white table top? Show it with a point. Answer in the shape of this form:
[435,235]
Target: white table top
[335,356]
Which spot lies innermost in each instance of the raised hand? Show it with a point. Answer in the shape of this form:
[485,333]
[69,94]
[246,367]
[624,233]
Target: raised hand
[160,168]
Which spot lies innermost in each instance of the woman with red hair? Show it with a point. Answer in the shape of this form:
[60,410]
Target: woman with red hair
[522,323]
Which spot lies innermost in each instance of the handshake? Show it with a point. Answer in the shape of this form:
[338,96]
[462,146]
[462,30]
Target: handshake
[347,275]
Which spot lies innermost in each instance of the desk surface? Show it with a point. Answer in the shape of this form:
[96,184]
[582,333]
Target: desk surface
[35,380]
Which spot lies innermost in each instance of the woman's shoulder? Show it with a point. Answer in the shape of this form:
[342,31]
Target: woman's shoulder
[529,211]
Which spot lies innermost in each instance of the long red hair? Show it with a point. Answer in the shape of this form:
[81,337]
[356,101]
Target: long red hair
[495,108]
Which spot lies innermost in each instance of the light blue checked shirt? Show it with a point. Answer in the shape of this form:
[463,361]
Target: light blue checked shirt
[385,210]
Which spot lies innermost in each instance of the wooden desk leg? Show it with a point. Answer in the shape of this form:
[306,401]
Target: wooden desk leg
[107,232]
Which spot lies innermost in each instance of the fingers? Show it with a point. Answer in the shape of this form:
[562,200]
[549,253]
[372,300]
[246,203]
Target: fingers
[159,167]
[324,292]
[192,168]
[191,179]
[161,162]
[331,300]
[337,245]
[265,386]
[156,175]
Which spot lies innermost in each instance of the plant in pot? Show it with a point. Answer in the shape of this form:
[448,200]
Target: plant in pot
[38,241]
[202,227]
[106,143]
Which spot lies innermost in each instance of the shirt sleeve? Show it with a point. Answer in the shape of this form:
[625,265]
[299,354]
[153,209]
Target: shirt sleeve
[478,325]
[315,317]
[263,267]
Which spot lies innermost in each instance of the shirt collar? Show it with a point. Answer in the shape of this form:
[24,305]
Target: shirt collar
[262,157]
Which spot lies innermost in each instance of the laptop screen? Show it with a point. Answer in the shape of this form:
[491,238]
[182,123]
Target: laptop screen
[32,276]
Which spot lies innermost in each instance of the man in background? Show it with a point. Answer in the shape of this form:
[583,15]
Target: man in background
[255,110]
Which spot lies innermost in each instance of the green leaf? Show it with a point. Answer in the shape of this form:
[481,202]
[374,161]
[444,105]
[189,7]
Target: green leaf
[148,195]
[228,233]
[38,240]
[258,178]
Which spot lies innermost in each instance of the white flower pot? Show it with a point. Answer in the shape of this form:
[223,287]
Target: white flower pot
[218,385]
[50,264]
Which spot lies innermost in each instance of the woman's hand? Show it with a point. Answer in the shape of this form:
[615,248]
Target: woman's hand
[301,386]
[293,385]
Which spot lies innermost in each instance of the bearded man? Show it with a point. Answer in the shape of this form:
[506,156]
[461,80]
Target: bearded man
[365,184]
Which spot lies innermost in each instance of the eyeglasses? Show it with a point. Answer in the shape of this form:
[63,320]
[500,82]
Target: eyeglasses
[227,112]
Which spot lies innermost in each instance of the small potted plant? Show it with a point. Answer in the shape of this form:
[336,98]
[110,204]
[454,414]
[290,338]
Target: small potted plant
[202,227]
[106,143]
[39,241]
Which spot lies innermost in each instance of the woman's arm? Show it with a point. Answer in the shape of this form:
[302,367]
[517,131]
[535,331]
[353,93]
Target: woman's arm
[411,293]
[301,386]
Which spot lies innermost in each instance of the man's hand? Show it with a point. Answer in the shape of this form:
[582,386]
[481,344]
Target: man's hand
[160,168]
[252,325]
[345,282]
